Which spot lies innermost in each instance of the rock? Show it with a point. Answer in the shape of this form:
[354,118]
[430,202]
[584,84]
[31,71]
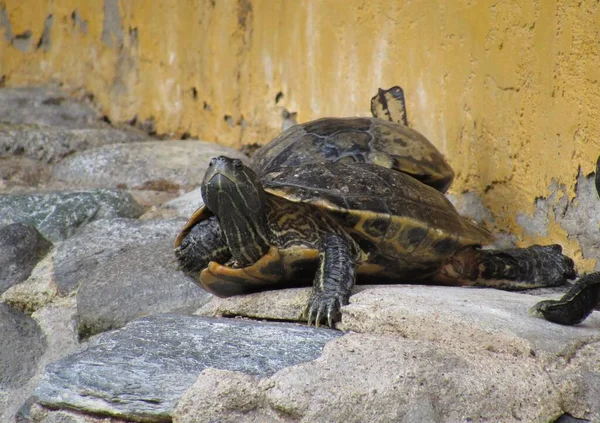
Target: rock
[576,374]
[284,304]
[140,371]
[46,106]
[381,378]
[50,145]
[364,377]
[57,214]
[157,165]
[90,249]
[483,318]
[135,282]
[37,291]
[21,172]
[186,204]
[21,247]
[22,346]
[226,397]
[57,324]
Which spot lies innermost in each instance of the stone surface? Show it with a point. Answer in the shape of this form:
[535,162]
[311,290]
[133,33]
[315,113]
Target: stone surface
[90,249]
[486,318]
[159,165]
[57,324]
[22,346]
[140,371]
[186,204]
[51,144]
[22,172]
[46,106]
[381,378]
[58,214]
[38,290]
[135,282]
[21,247]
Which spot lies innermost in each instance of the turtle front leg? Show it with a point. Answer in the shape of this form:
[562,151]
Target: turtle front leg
[515,268]
[203,244]
[333,282]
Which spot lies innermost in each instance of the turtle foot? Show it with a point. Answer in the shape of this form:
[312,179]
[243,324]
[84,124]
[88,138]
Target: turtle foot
[575,306]
[324,308]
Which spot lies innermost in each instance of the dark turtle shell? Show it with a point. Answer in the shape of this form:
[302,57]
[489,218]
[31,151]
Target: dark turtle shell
[404,228]
[359,139]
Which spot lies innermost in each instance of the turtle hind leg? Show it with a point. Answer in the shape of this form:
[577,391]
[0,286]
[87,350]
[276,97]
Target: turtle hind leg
[333,281]
[515,268]
[575,306]
[390,105]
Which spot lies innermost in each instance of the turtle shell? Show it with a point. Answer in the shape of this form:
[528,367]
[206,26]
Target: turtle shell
[357,139]
[404,228]
[388,213]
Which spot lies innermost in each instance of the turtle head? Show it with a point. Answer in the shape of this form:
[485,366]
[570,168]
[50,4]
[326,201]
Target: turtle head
[234,193]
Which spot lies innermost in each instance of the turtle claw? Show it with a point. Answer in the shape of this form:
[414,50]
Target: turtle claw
[323,308]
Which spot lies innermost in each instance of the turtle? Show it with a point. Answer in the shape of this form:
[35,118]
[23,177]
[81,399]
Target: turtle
[581,298]
[384,139]
[331,223]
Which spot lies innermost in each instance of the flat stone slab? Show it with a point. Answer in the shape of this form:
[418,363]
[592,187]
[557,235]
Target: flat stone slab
[186,204]
[49,144]
[58,214]
[141,165]
[140,372]
[483,318]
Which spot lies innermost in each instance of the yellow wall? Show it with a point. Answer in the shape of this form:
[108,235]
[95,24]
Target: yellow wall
[508,90]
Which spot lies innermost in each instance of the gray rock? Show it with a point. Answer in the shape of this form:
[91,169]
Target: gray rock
[21,247]
[56,323]
[140,371]
[149,165]
[58,214]
[186,204]
[38,290]
[21,172]
[46,106]
[486,318]
[91,248]
[49,145]
[22,346]
[133,283]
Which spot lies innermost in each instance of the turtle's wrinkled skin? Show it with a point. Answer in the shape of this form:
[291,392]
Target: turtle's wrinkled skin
[385,140]
[580,300]
[330,223]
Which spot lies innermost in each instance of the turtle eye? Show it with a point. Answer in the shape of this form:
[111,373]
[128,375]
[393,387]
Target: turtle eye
[238,164]
[212,162]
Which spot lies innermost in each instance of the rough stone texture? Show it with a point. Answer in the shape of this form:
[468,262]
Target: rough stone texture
[49,145]
[151,164]
[22,346]
[21,247]
[45,106]
[57,323]
[285,304]
[21,172]
[37,291]
[140,371]
[134,283]
[381,378]
[91,247]
[186,204]
[58,214]
[39,414]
